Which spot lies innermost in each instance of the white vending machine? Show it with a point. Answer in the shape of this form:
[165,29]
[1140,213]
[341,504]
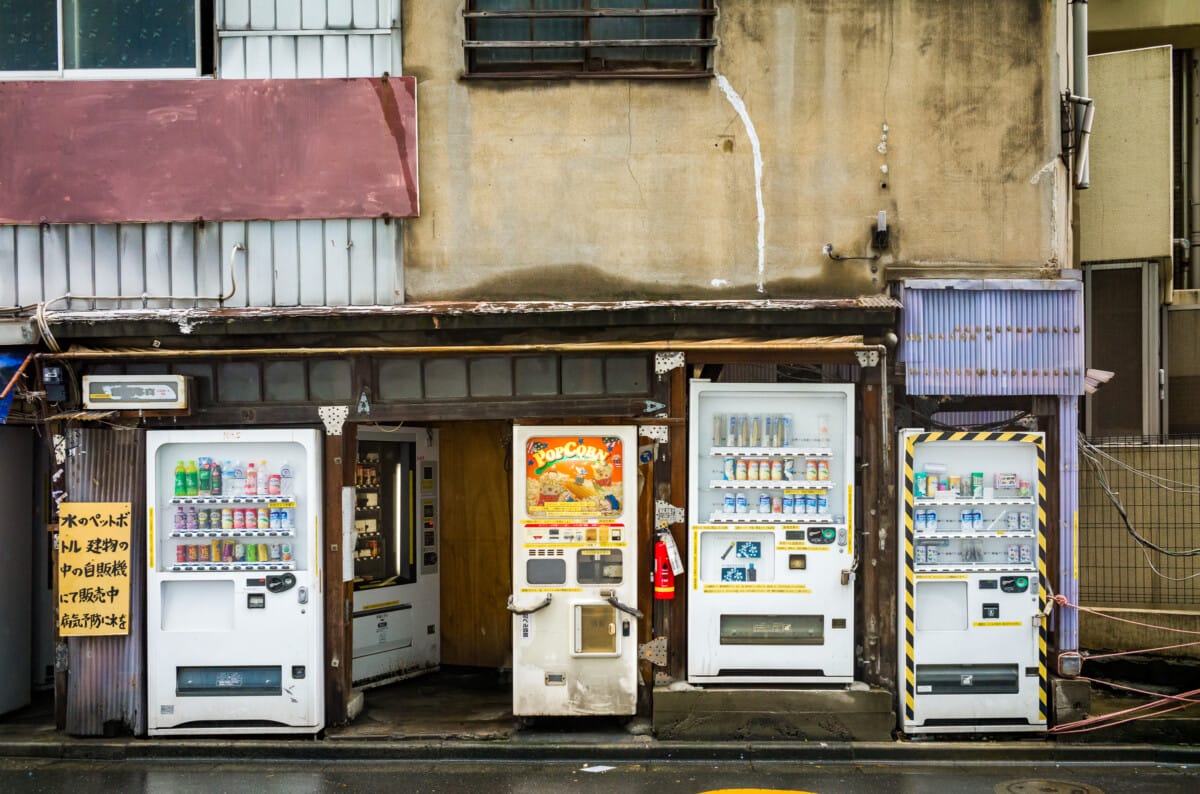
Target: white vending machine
[972,597]
[770,510]
[575,571]
[233,594]
[397,530]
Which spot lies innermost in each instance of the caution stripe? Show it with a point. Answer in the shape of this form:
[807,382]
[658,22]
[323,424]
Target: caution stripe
[910,674]
[1043,677]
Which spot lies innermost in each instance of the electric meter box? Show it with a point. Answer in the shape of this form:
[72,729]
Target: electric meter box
[972,594]
[770,514]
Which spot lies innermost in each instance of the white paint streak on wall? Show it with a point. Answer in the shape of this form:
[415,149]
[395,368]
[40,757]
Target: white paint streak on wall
[740,107]
[1047,168]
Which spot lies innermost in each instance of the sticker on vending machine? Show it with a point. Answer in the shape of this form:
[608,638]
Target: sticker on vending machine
[573,476]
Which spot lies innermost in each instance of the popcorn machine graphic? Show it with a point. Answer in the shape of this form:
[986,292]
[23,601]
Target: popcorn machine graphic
[578,476]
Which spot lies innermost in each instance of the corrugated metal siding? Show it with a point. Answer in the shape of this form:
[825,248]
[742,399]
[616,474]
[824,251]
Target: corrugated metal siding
[286,263]
[106,680]
[993,338]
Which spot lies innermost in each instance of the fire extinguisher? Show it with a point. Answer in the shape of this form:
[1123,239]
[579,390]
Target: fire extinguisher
[664,576]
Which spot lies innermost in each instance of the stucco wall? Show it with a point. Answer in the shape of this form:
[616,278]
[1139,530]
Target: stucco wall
[626,188]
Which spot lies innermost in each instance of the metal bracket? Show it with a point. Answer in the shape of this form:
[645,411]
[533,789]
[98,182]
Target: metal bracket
[663,679]
[665,362]
[653,407]
[867,358]
[654,651]
[659,433]
[666,513]
[334,416]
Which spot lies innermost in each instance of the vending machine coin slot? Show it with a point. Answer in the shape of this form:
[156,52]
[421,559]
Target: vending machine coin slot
[1014,584]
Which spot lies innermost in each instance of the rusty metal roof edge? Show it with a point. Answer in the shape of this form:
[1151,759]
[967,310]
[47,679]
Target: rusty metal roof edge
[460,308]
[1070,281]
[840,344]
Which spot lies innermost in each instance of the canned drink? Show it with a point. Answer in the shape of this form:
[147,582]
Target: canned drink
[932,555]
[823,470]
[730,505]
[810,504]
[1013,521]
[180,518]
[285,552]
[776,504]
[764,503]
[205,551]
[810,469]
[264,553]
[1026,553]
[1026,521]
[251,552]
[752,472]
[276,519]
[264,518]
[276,553]
[919,554]
[789,469]
[239,518]
[968,519]
[1013,554]
[739,472]
[743,504]
[977,484]
[822,503]
[239,552]
[227,551]
[226,518]
[920,484]
[777,469]
[193,552]
[216,551]
[789,503]
[181,554]
[730,468]
[202,520]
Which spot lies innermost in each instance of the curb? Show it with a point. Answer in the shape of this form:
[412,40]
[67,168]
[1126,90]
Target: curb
[634,750]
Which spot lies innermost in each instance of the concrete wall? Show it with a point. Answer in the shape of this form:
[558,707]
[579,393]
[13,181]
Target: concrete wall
[612,189]
[1128,24]
[1126,213]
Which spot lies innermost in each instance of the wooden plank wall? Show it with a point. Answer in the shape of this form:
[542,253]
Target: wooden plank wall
[476,543]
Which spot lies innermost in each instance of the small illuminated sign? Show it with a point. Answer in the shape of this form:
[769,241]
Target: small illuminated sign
[135,392]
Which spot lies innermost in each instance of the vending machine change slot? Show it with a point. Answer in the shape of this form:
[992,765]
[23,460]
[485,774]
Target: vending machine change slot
[977,679]
[772,630]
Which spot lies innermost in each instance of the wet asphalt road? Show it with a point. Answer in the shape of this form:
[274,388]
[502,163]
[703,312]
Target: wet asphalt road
[157,777]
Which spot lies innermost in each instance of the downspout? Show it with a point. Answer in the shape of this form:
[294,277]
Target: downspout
[1187,180]
[1192,149]
[1079,31]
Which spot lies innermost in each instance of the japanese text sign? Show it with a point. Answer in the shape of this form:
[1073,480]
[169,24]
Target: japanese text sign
[93,568]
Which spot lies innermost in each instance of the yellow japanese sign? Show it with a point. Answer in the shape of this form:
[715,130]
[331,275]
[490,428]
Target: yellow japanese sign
[93,568]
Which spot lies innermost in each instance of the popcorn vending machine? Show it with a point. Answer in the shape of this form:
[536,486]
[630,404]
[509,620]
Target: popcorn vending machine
[972,594]
[233,593]
[575,571]
[771,517]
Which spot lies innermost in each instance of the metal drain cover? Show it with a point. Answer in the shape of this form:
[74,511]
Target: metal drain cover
[1045,787]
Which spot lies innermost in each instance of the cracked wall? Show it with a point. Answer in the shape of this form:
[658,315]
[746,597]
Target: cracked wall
[938,113]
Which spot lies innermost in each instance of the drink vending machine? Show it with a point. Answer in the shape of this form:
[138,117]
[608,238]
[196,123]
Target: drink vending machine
[770,509]
[972,598]
[575,571]
[233,593]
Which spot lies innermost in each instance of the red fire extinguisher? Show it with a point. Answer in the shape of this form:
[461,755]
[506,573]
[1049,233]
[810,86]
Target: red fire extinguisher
[664,577]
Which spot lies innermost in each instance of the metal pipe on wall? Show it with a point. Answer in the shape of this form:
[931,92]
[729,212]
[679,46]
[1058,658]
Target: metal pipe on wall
[1079,48]
[1067,620]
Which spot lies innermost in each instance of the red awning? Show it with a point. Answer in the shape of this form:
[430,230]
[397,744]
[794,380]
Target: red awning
[86,151]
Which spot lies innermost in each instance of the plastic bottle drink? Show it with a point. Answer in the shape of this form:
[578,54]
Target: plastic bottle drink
[180,479]
[251,479]
[227,479]
[215,469]
[286,479]
[273,484]
[204,478]
[262,478]
[191,478]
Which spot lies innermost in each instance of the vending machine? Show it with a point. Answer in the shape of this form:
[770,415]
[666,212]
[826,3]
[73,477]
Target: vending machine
[575,571]
[771,517]
[396,535]
[972,598]
[233,592]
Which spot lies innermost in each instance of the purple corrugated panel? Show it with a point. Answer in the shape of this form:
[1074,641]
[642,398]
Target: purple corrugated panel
[105,684]
[972,337]
[975,420]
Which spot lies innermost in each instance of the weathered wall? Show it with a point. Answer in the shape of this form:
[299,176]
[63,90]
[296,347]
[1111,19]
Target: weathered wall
[1126,213]
[622,188]
[1128,24]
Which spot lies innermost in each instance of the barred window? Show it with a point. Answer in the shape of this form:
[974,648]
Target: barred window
[589,38]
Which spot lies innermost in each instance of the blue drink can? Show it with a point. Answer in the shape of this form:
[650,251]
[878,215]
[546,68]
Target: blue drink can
[789,503]
[730,505]
[822,503]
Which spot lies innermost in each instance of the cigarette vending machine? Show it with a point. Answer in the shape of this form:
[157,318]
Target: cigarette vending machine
[972,597]
[575,571]
[233,592]
[770,509]
[397,531]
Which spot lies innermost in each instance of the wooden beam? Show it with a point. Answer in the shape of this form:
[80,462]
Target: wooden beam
[339,639]
[676,627]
